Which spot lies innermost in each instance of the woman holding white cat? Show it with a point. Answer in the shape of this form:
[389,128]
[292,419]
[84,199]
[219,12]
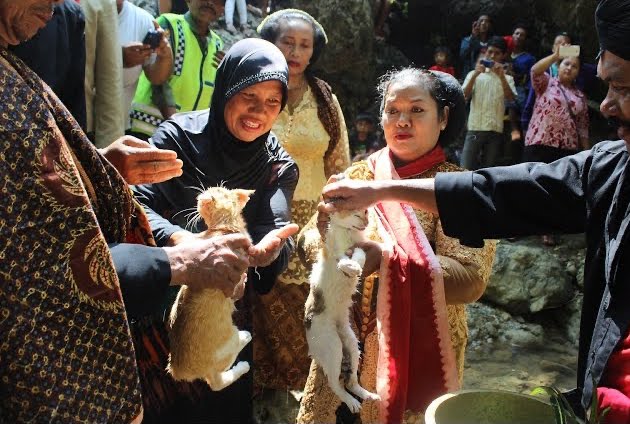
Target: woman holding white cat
[313,131]
[425,277]
[229,145]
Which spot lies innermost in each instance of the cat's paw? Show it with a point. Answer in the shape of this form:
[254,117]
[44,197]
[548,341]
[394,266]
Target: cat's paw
[372,396]
[353,405]
[241,367]
[244,337]
[349,267]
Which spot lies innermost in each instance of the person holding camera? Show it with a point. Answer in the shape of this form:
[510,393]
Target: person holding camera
[487,87]
[197,51]
[145,47]
[475,43]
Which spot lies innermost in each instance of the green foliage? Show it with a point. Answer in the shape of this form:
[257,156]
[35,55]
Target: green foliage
[563,412]
[403,6]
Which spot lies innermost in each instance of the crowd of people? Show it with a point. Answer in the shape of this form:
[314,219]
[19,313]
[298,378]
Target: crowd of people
[109,132]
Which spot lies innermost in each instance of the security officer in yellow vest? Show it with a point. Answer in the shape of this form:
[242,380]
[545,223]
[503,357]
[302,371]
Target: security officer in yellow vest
[197,51]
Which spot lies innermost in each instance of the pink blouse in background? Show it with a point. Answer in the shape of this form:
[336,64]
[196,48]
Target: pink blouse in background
[551,123]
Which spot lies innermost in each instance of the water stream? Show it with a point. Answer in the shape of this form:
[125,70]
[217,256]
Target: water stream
[507,367]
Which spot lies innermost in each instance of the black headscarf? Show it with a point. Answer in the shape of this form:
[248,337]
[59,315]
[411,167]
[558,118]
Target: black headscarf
[612,18]
[228,160]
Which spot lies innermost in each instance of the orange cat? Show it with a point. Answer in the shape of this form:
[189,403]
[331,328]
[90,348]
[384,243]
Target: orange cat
[204,340]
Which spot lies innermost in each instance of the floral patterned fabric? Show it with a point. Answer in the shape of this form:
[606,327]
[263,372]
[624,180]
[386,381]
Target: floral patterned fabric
[65,348]
[280,348]
[551,123]
[319,404]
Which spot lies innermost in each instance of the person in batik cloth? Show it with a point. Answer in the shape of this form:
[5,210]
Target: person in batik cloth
[313,131]
[75,244]
[425,278]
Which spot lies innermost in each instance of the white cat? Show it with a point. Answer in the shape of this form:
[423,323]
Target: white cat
[334,278]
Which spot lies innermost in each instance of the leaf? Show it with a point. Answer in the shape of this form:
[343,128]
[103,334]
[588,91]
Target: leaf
[554,395]
[563,412]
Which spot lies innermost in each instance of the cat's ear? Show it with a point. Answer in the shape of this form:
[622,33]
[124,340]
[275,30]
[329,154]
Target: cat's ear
[243,196]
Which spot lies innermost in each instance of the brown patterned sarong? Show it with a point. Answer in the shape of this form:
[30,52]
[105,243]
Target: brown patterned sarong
[65,350]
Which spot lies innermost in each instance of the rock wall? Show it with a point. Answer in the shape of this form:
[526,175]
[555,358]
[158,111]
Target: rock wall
[354,59]
[535,284]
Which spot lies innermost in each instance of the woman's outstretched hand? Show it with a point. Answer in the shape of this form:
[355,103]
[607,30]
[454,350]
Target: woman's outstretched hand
[268,249]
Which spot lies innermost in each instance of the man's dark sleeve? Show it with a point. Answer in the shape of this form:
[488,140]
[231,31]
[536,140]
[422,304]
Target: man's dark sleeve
[510,201]
[274,212]
[145,275]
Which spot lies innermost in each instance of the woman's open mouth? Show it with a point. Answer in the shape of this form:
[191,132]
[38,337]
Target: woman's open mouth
[251,125]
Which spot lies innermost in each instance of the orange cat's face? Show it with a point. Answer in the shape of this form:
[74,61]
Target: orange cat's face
[221,206]
[357,220]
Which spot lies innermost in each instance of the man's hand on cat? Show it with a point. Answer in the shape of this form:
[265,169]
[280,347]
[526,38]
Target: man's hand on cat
[217,262]
[348,195]
[268,249]
[323,213]
[323,219]
[141,163]
[373,254]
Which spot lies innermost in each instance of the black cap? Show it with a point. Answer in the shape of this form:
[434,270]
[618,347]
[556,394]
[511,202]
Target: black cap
[612,19]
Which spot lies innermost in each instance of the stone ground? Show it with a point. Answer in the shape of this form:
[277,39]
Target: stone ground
[496,365]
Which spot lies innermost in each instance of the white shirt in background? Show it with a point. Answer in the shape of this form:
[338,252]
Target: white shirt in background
[487,104]
[133,25]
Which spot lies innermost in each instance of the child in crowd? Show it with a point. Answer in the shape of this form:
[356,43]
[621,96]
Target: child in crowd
[488,87]
[442,58]
[363,138]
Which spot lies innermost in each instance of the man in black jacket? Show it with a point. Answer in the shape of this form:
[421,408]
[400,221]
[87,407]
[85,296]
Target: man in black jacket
[587,192]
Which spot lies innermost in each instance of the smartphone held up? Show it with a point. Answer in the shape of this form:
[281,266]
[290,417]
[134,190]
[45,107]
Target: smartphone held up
[152,39]
[569,51]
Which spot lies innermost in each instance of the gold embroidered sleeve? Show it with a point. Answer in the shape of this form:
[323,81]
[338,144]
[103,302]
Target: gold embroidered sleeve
[466,270]
[339,158]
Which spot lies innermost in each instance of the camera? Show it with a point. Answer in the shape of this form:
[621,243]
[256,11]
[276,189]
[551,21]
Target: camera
[487,63]
[152,39]
[569,51]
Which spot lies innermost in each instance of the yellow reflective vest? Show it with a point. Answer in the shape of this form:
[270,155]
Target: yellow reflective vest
[192,81]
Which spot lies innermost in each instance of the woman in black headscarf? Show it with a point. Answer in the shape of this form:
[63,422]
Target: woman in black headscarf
[230,144]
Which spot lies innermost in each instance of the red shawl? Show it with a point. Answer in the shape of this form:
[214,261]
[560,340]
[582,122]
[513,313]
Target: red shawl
[416,362]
